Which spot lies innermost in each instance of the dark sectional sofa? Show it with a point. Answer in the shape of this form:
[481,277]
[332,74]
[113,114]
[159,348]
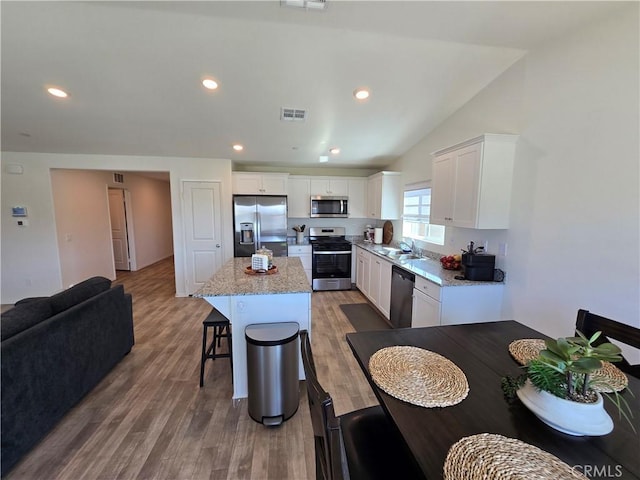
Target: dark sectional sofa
[54,350]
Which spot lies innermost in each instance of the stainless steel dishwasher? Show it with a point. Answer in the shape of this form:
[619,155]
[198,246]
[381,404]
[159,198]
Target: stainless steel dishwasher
[401,297]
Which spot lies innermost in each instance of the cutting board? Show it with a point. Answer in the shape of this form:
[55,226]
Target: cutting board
[387,232]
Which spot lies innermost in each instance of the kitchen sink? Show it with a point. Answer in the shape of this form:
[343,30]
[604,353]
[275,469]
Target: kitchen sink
[420,263]
[403,257]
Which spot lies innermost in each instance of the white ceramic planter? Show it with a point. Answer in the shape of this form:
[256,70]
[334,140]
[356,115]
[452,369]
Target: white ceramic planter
[573,418]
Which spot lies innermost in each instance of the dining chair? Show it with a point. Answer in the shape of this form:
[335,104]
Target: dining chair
[590,323]
[363,444]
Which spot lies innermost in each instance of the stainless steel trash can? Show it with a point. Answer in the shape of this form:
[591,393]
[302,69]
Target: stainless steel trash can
[272,371]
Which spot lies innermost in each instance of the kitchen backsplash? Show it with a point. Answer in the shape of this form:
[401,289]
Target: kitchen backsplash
[352,226]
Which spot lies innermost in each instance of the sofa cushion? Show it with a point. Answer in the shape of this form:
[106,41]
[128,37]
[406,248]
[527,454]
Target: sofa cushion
[24,316]
[78,293]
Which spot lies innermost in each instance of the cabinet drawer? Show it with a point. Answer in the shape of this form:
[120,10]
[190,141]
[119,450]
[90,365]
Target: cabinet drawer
[299,249]
[430,288]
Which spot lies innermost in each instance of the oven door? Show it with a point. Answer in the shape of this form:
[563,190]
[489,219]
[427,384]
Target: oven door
[331,270]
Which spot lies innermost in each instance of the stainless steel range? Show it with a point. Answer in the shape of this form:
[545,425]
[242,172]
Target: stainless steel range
[331,258]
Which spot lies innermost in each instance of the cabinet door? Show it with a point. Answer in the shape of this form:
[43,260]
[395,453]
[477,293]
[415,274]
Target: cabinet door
[426,310]
[319,186]
[339,187]
[467,184]
[362,274]
[374,194]
[357,198]
[442,190]
[335,186]
[303,252]
[298,203]
[374,279]
[274,184]
[384,303]
[391,201]
[247,183]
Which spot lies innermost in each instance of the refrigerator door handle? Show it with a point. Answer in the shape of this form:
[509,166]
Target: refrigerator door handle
[258,239]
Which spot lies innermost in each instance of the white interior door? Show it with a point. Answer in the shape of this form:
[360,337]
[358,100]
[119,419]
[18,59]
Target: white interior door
[119,236]
[203,232]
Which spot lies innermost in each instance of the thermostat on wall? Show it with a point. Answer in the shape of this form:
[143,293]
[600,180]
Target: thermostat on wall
[18,211]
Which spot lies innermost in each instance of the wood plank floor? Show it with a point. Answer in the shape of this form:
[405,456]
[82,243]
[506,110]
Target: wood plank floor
[148,419]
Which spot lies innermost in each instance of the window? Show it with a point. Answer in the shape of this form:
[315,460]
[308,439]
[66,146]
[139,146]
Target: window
[415,215]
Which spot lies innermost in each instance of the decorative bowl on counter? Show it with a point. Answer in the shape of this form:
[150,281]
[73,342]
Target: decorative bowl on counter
[451,262]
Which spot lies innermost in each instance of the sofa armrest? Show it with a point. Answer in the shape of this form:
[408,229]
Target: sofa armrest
[27,300]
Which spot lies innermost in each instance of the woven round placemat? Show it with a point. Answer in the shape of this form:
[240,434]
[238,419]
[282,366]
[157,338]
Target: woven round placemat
[526,349]
[418,376]
[488,455]
[607,379]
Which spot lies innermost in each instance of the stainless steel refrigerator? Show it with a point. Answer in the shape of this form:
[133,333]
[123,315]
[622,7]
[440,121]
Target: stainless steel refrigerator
[260,221]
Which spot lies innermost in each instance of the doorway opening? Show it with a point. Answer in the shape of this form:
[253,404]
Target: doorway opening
[119,202]
[83,201]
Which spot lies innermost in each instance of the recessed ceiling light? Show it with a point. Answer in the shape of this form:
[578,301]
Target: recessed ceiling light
[238,148]
[56,92]
[334,150]
[210,83]
[323,159]
[361,93]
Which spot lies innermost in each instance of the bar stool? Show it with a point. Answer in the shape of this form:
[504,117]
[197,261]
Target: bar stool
[221,329]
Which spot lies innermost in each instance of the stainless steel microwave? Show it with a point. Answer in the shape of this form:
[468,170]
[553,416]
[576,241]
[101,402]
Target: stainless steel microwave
[329,207]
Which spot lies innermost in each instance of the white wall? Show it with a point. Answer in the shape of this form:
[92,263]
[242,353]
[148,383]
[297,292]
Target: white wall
[81,212]
[573,240]
[151,205]
[30,264]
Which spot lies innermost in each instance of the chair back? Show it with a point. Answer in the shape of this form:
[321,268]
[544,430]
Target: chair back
[590,323]
[331,462]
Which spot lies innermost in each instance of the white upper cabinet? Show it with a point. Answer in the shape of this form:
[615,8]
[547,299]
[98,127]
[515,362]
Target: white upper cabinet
[259,183]
[333,186]
[471,184]
[300,188]
[384,196]
[357,197]
[298,193]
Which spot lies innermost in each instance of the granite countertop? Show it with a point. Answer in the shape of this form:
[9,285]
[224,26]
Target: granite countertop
[426,267]
[232,280]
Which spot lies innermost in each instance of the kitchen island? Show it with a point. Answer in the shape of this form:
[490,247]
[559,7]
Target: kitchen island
[284,296]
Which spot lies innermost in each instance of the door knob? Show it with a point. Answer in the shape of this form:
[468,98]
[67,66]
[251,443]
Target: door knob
[217,245]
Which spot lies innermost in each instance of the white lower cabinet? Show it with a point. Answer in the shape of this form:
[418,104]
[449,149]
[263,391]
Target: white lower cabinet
[373,279]
[432,304]
[426,310]
[363,259]
[452,305]
[384,300]
[304,253]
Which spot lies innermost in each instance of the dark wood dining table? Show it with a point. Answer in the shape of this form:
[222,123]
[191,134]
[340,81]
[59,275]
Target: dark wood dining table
[481,351]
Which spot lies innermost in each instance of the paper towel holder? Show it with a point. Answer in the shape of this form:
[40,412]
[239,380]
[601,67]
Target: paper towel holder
[377,236]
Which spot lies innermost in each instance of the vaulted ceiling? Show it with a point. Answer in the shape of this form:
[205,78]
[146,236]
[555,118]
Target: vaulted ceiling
[133,71]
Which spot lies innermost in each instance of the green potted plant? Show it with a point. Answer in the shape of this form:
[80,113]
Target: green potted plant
[559,386]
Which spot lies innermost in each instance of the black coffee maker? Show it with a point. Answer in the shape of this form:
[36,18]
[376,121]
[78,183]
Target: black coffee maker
[477,265]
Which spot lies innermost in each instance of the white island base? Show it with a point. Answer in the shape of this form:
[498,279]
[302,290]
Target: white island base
[245,310]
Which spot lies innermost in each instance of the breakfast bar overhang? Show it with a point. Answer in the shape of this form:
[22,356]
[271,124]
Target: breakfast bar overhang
[247,298]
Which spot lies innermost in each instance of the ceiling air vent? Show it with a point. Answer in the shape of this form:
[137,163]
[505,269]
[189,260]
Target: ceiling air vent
[293,114]
[307,4]
[118,178]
